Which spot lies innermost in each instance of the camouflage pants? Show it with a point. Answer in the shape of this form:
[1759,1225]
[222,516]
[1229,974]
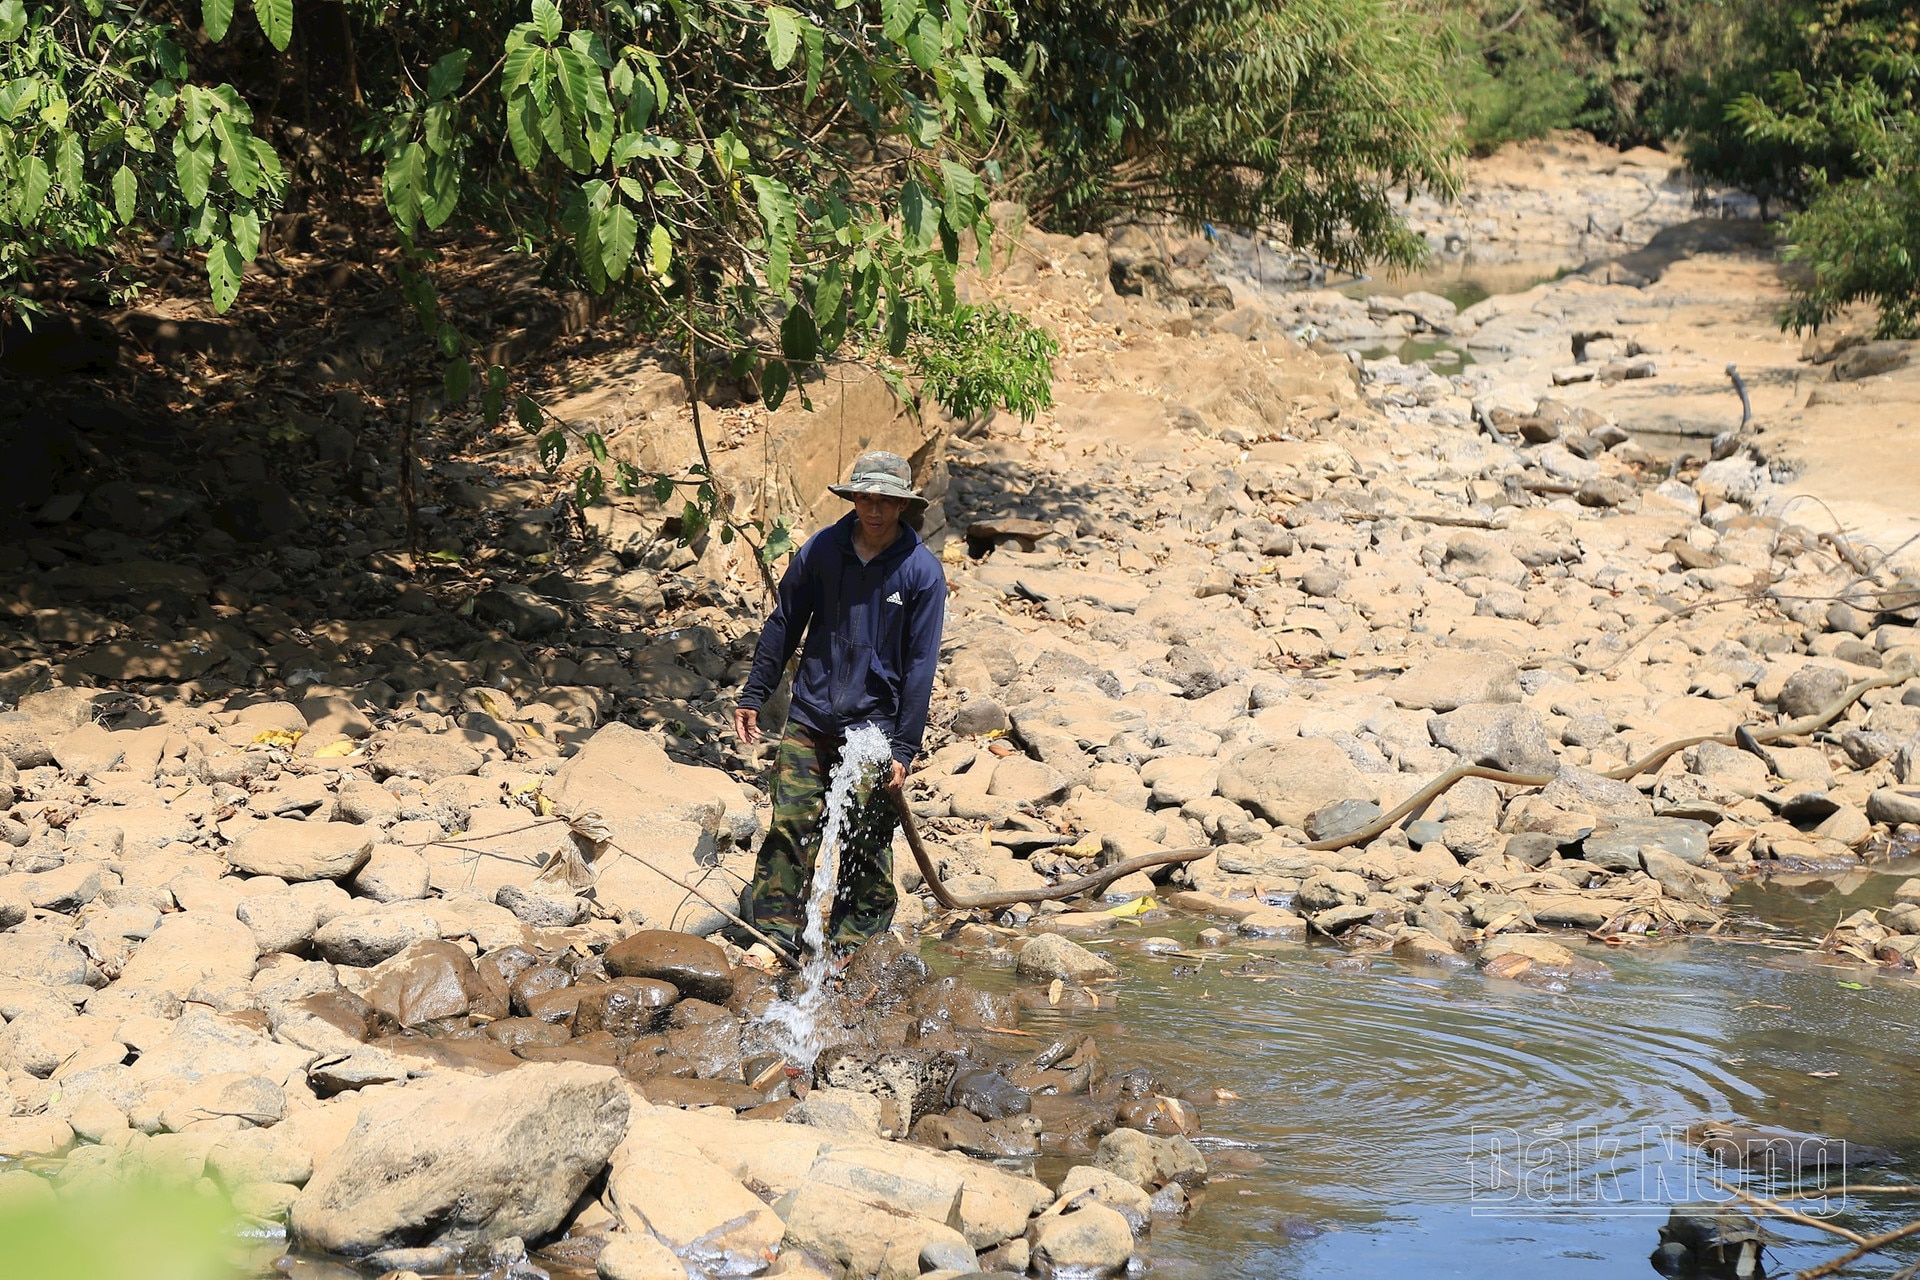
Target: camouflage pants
[783,876]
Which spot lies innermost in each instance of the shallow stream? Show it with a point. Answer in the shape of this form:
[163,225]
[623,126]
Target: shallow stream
[1393,1106]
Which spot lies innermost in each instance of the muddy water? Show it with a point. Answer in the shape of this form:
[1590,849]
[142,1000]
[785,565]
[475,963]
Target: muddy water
[1391,1108]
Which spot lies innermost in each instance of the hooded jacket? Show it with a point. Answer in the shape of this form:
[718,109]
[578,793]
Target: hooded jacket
[872,637]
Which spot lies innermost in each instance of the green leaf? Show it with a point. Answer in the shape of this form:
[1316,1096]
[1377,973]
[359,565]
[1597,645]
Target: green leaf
[492,404]
[13,20]
[774,381]
[662,488]
[496,378]
[69,165]
[215,16]
[923,42]
[783,35]
[523,129]
[918,216]
[619,232]
[527,410]
[242,174]
[245,225]
[659,249]
[447,74]
[440,193]
[35,181]
[193,166]
[590,488]
[896,16]
[546,16]
[553,448]
[17,97]
[596,445]
[799,339]
[898,325]
[224,268]
[126,193]
[816,42]
[459,380]
[779,215]
[276,20]
[779,542]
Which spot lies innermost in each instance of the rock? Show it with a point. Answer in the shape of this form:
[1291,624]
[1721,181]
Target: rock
[990,1095]
[461,1162]
[1891,806]
[1116,1193]
[368,938]
[625,1007]
[1085,1240]
[1453,680]
[1021,780]
[296,850]
[692,1205]
[519,610]
[543,910]
[1147,1161]
[424,983]
[364,801]
[392,873]
[1341,817]
[636,1255]
[1617,844]
[847,1112]
[1048,955]
[190,948]
[1682,880]
[978,716]
[429,757]
[1285,781]
[860,1235]
[89,750]
[1510,738]
[1810,689]
[686,820]
[285,920]
[694,966]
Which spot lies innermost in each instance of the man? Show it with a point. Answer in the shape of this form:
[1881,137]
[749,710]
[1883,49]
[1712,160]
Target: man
[869,599]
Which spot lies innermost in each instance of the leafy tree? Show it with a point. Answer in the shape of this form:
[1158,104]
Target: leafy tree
[1303,113]
[1628,71]
[773,187]
[1830,121]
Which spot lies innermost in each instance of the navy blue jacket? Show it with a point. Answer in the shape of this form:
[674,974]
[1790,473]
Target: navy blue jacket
[872,637]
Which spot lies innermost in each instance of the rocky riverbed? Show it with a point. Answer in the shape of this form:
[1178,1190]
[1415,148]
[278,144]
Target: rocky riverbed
[335,878]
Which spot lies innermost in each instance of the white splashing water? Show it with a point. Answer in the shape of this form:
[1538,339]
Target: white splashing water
[793,1026]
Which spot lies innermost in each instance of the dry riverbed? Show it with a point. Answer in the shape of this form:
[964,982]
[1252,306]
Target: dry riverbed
[342,895]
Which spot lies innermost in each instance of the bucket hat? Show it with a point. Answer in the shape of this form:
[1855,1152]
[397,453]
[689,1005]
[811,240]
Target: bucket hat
[882,473]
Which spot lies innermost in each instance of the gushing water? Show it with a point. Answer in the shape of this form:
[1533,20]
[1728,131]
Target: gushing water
[793,1026]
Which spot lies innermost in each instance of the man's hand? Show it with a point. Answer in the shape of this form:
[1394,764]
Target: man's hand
[746,725]
[898,778]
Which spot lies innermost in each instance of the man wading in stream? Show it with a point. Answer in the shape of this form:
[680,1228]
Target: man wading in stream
[870,600]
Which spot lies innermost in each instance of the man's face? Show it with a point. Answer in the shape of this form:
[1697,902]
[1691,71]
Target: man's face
[878,513]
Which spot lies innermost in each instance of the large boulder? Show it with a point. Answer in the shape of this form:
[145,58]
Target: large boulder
[460,1162]
[296,850]
[1285,781]
[1451,680]
[681,818]
[694,966]
[1513,739]
[188,948]
[693,1206]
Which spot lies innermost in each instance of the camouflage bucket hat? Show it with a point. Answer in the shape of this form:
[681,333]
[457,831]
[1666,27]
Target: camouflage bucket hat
[882,473]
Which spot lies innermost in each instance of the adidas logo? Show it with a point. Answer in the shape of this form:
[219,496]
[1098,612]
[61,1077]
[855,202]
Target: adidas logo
[895,599]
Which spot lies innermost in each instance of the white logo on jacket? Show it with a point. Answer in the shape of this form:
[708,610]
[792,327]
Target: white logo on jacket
[895,599]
